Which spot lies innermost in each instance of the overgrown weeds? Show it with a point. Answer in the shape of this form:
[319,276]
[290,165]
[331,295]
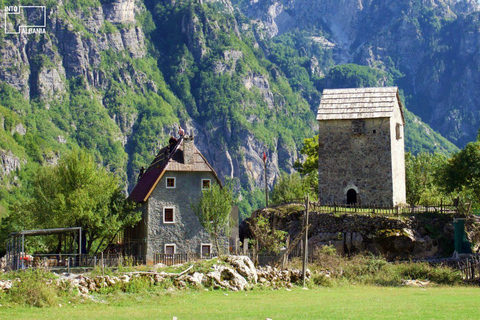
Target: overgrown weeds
[35,287]
[330,268]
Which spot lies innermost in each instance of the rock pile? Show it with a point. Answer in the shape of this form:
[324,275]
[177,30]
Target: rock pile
[275,278]
[233,273]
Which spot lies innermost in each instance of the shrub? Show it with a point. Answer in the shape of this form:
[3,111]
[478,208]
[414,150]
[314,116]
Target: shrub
[321,279]
[137,285]
[34,288]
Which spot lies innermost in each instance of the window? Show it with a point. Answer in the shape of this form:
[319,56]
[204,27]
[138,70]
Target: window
[399,131]
[205,184]
[170,248]
[358,127]
[206,250]
[169,215]
[171,183]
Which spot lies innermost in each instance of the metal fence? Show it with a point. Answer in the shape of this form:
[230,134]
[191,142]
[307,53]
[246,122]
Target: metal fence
[68,261]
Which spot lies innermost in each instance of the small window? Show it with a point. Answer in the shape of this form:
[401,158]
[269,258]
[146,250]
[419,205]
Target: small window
[169,215]
[399,131]
[374,131]
[170,248]
[171,183]
[205,184]
[206,250]
[358,127]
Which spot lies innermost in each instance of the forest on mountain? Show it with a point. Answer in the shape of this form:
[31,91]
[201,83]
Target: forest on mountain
[117,77]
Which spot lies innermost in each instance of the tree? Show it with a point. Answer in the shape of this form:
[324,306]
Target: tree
[422,177]
[213,210]
[309,149]
[266,237]
[309,167]
[289,187]
[78,193]
[462,173]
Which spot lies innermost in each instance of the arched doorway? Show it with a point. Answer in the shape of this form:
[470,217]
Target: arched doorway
[351,196]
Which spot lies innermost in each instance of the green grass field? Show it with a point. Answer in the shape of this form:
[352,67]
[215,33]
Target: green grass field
[349,302]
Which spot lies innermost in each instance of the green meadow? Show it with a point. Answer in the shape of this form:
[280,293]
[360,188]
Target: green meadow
[342,302]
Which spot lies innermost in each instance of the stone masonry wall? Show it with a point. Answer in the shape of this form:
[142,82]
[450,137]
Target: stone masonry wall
[186,233]
[358,160]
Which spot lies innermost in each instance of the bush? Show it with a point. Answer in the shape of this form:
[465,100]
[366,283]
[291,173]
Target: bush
[321,279]
[424,271]
[34,288]
[372,270]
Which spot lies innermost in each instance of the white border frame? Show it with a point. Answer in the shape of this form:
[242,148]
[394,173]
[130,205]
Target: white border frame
[44,8]
[163,218]
[174,182]
[201,184]
[205,244]
[169,244]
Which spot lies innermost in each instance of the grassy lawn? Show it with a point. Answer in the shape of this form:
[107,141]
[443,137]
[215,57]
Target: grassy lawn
[349,302]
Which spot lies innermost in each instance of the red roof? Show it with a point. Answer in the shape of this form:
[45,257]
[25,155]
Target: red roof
[175,162]
[153,174]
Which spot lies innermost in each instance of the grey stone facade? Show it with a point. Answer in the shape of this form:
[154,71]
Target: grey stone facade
[154,232]
[185,233]
[361,148]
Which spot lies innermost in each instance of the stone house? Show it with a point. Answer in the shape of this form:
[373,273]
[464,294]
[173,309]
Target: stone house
[166,190]
[361,147]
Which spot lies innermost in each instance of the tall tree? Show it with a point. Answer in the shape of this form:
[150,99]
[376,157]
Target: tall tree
[422,177]
[289,187]
[213,210]
[462,174]
[78,193]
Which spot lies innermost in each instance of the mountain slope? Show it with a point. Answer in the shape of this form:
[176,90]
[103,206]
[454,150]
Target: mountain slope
[117,77]
[429,48]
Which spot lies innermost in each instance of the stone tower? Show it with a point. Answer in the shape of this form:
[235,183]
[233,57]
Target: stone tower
[361,147]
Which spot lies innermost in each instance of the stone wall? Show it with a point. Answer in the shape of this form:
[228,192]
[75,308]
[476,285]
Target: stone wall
[186,233]
[355,154]
[418,237]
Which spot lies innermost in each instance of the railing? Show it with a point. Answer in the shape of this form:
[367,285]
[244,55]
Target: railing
[68,261]
[372,209]
[469,268]
[170,259]
[383,210]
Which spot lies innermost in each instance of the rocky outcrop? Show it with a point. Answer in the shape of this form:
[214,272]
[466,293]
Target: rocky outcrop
[416,237]
[9,163]
[261,83]
[40,68]
[412,37]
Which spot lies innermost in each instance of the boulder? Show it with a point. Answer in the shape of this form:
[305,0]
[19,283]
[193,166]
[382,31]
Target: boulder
[244,266]
[227,278]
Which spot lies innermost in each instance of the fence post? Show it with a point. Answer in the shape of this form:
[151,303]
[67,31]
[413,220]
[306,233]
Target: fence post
[103,262]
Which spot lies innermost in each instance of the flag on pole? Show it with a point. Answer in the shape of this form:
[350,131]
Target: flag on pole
[264,157]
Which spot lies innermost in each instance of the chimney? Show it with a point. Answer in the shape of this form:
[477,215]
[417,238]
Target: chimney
[188,150]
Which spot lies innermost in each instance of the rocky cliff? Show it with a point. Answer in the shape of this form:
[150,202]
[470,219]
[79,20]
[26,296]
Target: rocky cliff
[421,236]
[431,46]
[117,77]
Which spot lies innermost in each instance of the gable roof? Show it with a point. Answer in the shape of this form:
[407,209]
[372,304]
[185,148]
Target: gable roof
[168,160]
[359,103]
